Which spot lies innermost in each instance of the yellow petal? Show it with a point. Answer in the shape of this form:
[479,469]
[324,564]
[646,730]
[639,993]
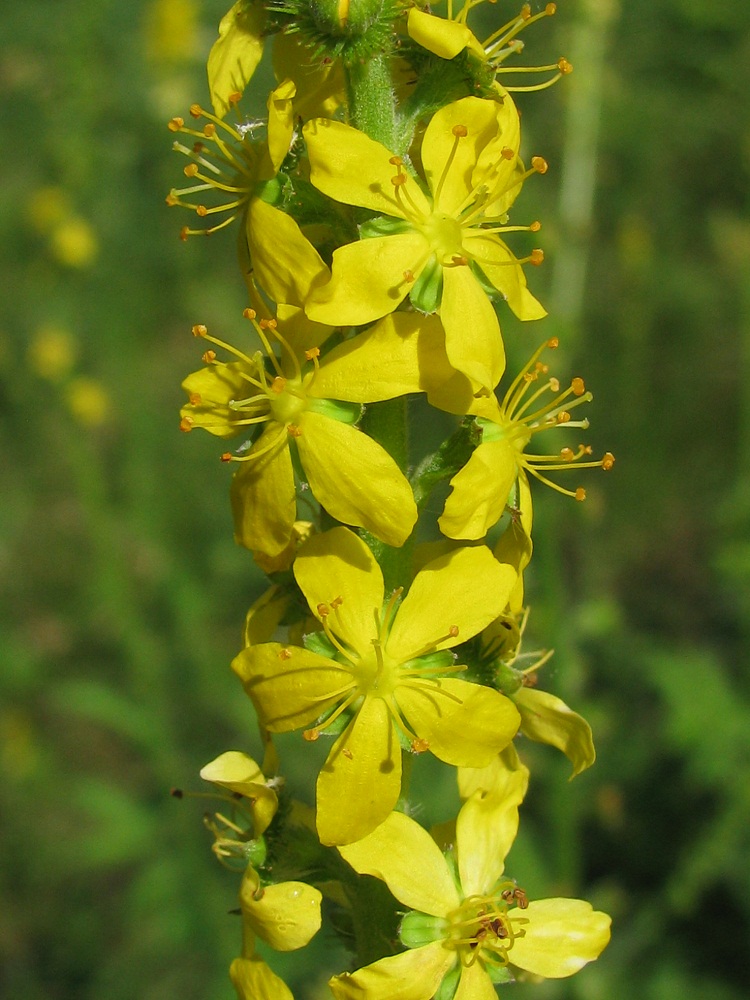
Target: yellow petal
[383,362]
[480,491]
[348,166]
[236,53]
[286,915]
[290,687]
[287,265]
[501,269]
[464,724]
[360,782]
[321,87]
[465,587]
[472,331]
[239,773]
[515,545]
[355,479]
[449,162]
[216,385]
[253,980]
[368,279]
[560,937]
[338,564]
[436,34]
[264,616]
[403,855]
[300,332]
[485,830]
[548,719]
[263,497]
[475,984]
[280,122]
[412,975]
[501,775]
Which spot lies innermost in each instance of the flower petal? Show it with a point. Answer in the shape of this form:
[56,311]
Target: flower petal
[281,115]
[560,937]
[366,489]
[239,773]
[472,331]
[504,272]
[349,166]
[437,34]
[286,915]
[499,776]
[254,980]
[465,587]
[287,265]
[235,54]
[515,545]
[485,830]
[449,162]
[464,724]
[480,491]
[475,984]
[384,362]
[403,855]
[368,279]
[265,615]
[289,686]
[412,975]
[321,87]
[548,719]
[337,563]
[263,497]
[216,385]
[360,781]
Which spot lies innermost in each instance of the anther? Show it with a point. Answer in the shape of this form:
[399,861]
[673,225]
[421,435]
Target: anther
[578,386]
[419,746]
[314,352]
[176,793]
[563,417]
[525,12]
[459,260]
[608,461]
[202,211]
[567,454]
[209,357]
[399,180]
[199,330]
[195,399]
[190,170]
[580,493]
[550,9]
[171,199]
[235,97]
[186,424]
[184,233]
[175,124]
[294,431]
[311,735]
[409,276]
[460,131]
[564,66]
[323,610]
[553,342]
[336,603]
[249,313]
[453,631]
[347,753]
[278,385]
[539,164]
[196,110]
[507,153]
[285,654]
[396,161]
[536,257]
[209,130]
[267,324]
[226,457]
[535,227]
[554,384]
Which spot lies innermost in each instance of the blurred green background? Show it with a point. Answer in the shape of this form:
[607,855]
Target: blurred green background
[123,593]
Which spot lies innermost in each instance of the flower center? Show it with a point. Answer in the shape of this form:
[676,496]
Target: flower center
[443,233]
[481,925]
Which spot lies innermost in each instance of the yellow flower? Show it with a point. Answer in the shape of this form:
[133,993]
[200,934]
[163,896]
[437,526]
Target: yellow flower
[314,406]
[469,925]
[52,352]
[495,476]
[225,162]
[382,670]
[544,717]
[443,249]
[447,37]
[88,401]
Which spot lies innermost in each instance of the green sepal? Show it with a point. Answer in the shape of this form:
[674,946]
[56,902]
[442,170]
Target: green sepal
[499,973]
[345,413]
[432,665]
[450,458]
[383,226]
[318,642]
[427,291]
[256,852]
[506,679]
[418,929]
[270,191]
[449,984]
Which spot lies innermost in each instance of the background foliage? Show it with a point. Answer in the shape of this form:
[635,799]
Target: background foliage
[123,594]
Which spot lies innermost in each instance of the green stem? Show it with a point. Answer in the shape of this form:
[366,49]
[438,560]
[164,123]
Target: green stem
[372,106]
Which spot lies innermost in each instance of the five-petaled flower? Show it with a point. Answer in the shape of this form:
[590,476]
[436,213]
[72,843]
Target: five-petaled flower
[437,241]
[383,669]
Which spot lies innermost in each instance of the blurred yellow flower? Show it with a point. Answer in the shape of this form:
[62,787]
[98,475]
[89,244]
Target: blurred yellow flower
[47,208]
[88,401]
[74,242]
[52,352]
[171,30]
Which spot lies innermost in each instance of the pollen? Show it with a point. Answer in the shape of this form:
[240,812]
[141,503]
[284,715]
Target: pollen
[460,131]
[285,654]
[608,461]
[186,424]
[578,386]
[539,164]
[580,493]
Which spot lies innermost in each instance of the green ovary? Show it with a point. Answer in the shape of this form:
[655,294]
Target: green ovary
[444,235]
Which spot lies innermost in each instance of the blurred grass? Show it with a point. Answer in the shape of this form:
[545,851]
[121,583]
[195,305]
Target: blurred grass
[123,594]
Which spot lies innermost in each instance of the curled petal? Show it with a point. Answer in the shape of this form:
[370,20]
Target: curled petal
[548,719]
[263,497]
[235,54]
[412,975]
[286,915]
[480,491]
[561,936]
